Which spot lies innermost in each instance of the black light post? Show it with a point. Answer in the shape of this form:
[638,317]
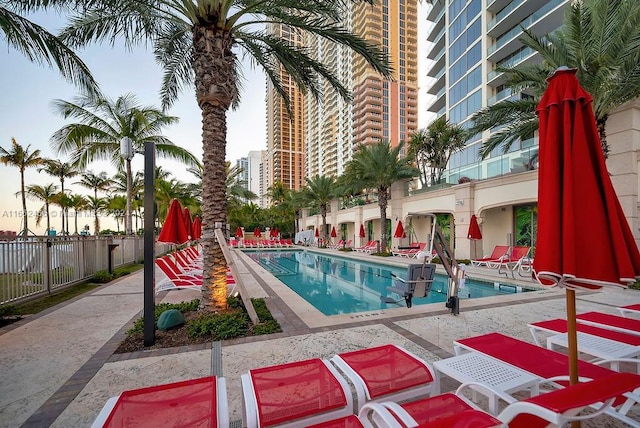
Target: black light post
[149,243]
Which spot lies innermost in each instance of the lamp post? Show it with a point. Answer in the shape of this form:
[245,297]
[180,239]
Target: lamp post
[126,150]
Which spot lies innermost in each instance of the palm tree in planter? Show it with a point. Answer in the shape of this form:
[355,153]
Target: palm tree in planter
[47,194]
[319,192]
[378,166]
[21,158]
[194,41]
[102,125]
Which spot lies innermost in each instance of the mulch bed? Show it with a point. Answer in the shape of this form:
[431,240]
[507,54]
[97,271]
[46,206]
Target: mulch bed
[164,339]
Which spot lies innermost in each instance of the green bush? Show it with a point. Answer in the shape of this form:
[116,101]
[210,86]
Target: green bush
[220,326]
[346,249]
[102,277]
[9,311]
[268,327]
[138,325]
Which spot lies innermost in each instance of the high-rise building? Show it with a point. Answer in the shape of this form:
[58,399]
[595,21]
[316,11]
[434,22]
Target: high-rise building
[381,109]
[384,109]
[469,39]
[285,132]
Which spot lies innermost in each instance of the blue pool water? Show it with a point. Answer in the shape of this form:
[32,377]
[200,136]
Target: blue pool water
[336,285]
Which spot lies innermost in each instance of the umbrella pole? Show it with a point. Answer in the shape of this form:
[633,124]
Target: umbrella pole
[572,339]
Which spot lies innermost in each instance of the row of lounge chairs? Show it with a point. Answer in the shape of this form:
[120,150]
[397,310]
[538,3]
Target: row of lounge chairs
[264,243]
[388,386]
[507,259]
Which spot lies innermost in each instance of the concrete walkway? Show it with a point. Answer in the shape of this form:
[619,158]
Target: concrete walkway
[58,367]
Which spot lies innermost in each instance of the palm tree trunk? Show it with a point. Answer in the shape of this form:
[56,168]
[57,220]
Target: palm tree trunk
[25,231]
[75,218]
[214,65]
[46,207]
[323,210]
[382,203]
[63,209]
[127,216]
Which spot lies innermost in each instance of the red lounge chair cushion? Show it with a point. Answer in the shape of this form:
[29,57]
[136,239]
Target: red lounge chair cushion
[560,326]
[387,369]
[189,403]
[531,358]
[351,421]
[426,411]
[611,320]
[465,419]
[295,390]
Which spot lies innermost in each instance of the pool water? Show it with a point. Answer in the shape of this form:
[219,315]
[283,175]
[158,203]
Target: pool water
[336,285]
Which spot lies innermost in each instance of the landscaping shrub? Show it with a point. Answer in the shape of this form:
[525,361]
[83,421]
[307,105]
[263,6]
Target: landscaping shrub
[102,277]
[220,326]
[9,311]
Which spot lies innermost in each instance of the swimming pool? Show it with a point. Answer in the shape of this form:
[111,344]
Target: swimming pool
[336,285]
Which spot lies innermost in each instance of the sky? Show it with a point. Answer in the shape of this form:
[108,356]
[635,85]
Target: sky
[27,90]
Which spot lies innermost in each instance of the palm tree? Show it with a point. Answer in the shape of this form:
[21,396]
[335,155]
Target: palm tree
[116,206]
[79,204]
[46,194]
[277,193]
[23,159]
[195,41]
[600,40]
[378,166]
[95,182]
[61,170]
[319,192]
[40,46]
[97,206]
[103,124]
[432,148]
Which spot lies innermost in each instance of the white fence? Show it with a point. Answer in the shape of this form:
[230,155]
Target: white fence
[42,264]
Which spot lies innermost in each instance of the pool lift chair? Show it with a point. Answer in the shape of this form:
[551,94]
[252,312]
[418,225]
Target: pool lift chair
[420,276]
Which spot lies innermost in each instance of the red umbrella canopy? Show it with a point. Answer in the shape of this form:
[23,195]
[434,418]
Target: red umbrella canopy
[399,231]
[186,215]
[474,229]
[333,232]
[239,233]
[173,229]
[362,234]
[276,232]
[196,228]
[317,233]
[577,205]
[256,232]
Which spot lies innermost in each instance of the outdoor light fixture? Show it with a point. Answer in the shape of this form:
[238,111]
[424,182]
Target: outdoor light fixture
[126,148]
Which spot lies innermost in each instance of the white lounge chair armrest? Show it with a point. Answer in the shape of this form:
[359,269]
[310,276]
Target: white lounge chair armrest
[485,390]
[222,403]
[520,407]
[609,361]
[249,405]
[382,416]
[400,413]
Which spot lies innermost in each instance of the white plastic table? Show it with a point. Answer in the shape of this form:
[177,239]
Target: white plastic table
[597,346]
[475,367]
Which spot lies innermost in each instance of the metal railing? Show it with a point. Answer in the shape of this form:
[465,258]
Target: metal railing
[41,264]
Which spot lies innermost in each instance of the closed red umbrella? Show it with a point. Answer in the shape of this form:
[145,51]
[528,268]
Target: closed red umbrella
[399,231]
[333,232]
[257,233]
[276,232]
[362,234]
[239,233]
[474,233]
[577,205]
[196,228]
[173,229]
[317,233]
[186,215]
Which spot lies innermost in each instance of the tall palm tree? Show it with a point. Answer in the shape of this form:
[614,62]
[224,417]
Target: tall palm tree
[39,45]
[277,193]
[79,204]
[61,170]
[319,192]
[97,206]
[47,194]
[116,205]
[600,40]
[378,166]
[194,41]
[431,148]
[21,158]
[102,125]
[95,182]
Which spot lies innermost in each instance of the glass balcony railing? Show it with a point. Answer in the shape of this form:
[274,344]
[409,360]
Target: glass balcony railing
[504,12]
